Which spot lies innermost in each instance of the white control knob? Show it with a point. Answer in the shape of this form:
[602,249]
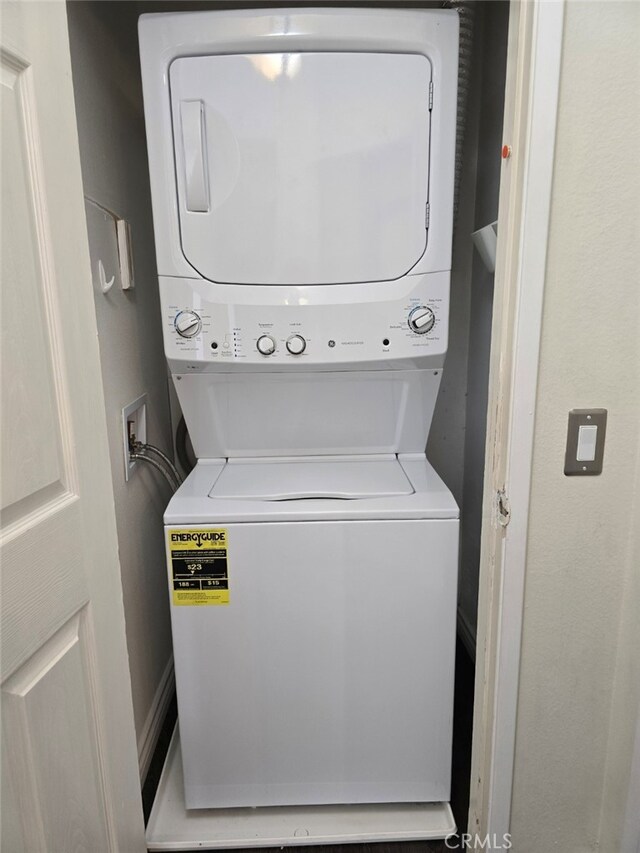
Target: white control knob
[266,345]
[187,324]
[421,320]
[296,344]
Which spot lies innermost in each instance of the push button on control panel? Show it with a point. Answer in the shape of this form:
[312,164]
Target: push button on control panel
[296,344]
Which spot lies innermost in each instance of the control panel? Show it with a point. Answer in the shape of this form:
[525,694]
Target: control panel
[304,327]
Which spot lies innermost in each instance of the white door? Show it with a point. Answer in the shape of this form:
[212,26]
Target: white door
[69,767]
[302,168]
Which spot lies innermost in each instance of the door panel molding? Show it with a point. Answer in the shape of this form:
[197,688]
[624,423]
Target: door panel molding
[47,477]
[33,714]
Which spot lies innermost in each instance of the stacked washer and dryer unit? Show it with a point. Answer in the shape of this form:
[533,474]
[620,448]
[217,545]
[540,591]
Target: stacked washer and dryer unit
[302,165]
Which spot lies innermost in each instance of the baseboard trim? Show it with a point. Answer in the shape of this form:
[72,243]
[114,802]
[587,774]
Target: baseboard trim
[153,724]
[467,634]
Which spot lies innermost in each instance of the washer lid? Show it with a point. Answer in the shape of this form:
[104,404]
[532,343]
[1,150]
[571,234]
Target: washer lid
[302,168]
[347,478]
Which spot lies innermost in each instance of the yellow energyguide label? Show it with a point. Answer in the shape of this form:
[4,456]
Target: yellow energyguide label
[199,568]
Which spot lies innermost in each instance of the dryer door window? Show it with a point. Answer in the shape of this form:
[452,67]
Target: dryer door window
[302,168]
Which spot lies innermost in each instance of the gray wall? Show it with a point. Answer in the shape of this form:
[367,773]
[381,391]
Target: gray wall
[445,447]
[456,442]
[106,78]
[493,31]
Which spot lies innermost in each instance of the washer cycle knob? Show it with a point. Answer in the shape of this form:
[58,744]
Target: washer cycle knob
[187,324]
[296,344]
[421,320]
[266,345]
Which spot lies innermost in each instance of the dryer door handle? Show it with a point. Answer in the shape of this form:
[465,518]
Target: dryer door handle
[194,146]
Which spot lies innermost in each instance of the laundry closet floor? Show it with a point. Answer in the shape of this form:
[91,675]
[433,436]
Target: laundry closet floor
[432,816]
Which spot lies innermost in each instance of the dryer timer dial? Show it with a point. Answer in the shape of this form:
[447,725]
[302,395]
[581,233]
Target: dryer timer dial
[421,320]
[187,324]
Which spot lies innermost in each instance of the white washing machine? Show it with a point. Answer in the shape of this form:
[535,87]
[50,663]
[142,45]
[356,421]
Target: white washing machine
[302,169]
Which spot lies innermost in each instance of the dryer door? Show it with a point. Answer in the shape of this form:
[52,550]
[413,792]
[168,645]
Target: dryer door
[302,168]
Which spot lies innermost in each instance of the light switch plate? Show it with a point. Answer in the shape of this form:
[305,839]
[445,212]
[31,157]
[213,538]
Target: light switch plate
[581,418]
